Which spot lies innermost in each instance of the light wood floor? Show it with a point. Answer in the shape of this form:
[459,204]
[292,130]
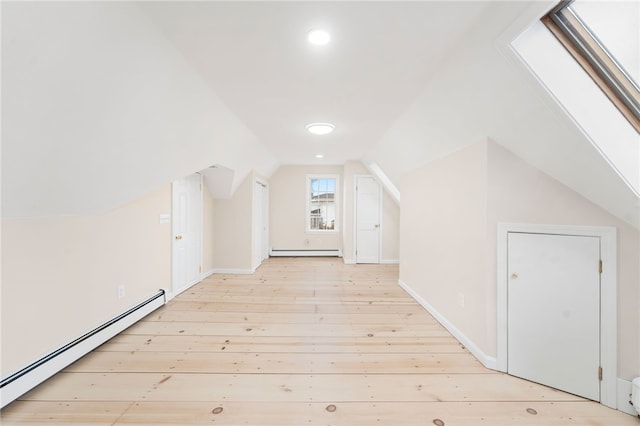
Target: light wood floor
[300,342]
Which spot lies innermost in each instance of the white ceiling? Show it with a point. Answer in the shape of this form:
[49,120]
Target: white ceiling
[255,57]
[103,102]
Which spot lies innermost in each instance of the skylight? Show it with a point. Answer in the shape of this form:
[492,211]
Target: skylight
[603,38]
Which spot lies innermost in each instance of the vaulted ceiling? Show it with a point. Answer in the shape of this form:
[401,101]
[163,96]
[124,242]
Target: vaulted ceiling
[103,102]
[256,57]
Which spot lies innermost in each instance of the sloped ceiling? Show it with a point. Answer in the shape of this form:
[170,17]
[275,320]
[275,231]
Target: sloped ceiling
[98,109]
[482,91]
[103,102]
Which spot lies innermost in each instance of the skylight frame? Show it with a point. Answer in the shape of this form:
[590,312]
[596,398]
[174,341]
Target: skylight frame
[596,60]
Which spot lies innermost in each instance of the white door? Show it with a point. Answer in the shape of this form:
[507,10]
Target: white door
[367,220]
[554,311]
[265,222]
[187,232]
[260,224]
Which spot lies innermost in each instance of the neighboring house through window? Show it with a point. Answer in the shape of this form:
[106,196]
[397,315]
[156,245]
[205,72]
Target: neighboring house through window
[322,203]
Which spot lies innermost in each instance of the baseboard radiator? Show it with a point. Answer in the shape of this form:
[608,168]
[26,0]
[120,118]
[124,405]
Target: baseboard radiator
[32,375]
[305,252]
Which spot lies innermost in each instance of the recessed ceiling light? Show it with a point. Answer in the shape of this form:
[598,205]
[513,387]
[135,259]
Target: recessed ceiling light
[319,156]
[320,128]
[318,37]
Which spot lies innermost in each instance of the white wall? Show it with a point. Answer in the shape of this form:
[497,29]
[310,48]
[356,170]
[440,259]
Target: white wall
[520,193]
[287,205]
[208,231]
[60,275]
[98,109]
[450,209]
[233,224]
[480,90]
[443,237]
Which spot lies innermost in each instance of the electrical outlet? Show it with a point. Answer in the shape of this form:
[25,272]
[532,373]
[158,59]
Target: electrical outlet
[120,291]
[461,299]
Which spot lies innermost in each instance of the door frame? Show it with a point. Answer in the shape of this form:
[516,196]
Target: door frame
[608,296]
[174,292]
[264,219]
[355,216]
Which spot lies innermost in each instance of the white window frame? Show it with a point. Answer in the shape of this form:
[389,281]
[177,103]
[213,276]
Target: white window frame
[336,201]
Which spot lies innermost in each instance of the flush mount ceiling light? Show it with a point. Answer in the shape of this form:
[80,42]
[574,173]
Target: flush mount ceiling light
[320,128]
[319,156]
[318,37]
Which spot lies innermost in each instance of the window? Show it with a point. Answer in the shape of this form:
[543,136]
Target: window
[322,203]
[603,38]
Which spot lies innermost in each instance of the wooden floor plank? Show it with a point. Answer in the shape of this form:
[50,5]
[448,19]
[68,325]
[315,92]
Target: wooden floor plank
[277,363]
[292,387]
[367,414]
[299,330]
[64,412]
[283,318]
[303,341]
[267,344]
[318,413]
[185,304]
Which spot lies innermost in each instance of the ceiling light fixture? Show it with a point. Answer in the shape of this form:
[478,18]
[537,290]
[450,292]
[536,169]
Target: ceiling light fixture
[318,37]
[319,156]
[320,128]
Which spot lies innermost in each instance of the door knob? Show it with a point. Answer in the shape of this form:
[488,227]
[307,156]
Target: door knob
[376,225]
[178,237]
[514,276]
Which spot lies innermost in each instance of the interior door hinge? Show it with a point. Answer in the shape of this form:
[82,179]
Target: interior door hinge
[600,266]
[600,373]
[200,269]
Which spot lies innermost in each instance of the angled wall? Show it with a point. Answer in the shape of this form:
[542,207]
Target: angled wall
[60,276]
[98,109]
[483,89]
[450,209]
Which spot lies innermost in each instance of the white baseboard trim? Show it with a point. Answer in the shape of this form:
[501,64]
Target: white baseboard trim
[383,261]
[208,273]
[624,397]
[17,384]
[486,360]
[233,271]
[305,253]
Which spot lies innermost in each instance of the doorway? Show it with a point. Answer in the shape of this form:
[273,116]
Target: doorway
[367,222]
[187,233]
[260,223]
[556,310]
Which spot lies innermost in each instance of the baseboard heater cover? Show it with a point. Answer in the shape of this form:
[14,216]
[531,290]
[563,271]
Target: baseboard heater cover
[32,375]
[305,252]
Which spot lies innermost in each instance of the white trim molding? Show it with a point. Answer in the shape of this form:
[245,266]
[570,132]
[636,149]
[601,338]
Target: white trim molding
[208,273]
[624,397]
[305,252]
[608,297]
[486,360]
[336,203]
[233,271]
